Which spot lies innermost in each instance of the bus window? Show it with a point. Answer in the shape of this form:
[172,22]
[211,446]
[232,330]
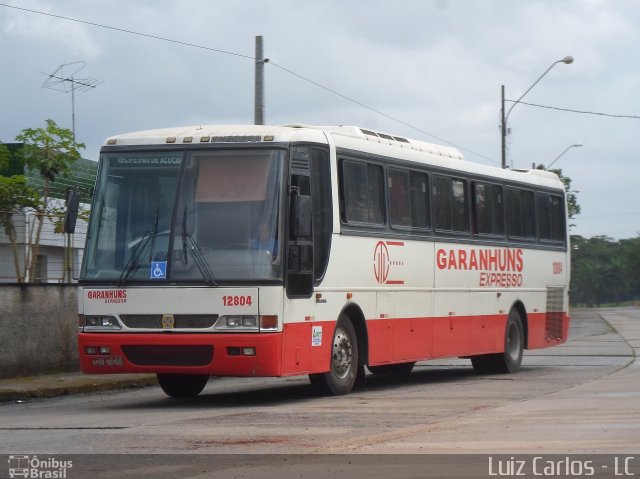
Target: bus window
[408,199]
[488,210]
[520,213]
[419,186]
[323,214]
[399,203]
[551,225]
[363,193]
[450,205]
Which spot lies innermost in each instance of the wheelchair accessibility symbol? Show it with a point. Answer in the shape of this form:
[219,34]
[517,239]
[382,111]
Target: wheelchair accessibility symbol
[158,270]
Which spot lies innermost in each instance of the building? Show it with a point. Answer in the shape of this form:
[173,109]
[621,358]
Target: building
[50,263]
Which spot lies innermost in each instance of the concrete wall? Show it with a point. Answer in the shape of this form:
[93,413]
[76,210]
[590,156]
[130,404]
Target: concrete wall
[38,328]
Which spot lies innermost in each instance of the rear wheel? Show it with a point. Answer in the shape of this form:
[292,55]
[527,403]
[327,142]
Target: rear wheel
[509,361]
[400,369]
[341,378]
[182,385]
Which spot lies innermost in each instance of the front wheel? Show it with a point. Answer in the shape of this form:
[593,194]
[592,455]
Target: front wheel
[509,361]
[182,385]
[340,379]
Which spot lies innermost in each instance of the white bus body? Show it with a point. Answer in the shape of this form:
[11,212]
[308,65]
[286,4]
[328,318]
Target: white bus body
[290,250]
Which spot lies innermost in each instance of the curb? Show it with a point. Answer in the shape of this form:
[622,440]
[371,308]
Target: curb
[34,387]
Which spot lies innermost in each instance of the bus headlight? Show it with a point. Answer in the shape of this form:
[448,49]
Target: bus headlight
[248,323]
[237,322]
[99,323]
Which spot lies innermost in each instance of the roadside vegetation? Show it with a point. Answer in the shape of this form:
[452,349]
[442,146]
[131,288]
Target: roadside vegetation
[49,152]
[604,271]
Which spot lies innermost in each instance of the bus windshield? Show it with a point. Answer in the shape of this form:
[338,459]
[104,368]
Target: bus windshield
[209,216]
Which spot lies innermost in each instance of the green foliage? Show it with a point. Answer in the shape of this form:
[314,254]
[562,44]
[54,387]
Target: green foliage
[5,156]
[16,195]
[604,270]
[50,151]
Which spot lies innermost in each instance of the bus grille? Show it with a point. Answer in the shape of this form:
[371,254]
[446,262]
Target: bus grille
[182,321]
[555,313]
[168,355]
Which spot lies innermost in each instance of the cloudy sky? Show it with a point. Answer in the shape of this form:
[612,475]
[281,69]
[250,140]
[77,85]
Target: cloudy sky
[433,68]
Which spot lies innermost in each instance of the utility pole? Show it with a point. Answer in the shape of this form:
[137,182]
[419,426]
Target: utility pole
[259,83]
[568,60]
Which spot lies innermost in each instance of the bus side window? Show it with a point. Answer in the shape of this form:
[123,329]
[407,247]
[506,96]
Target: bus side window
[488,209]
[399,205]
[322,210]
[408,199]
[551,225]
[450,204]
[362,193]
[520,213]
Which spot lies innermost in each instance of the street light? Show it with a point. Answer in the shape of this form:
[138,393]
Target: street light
[565,150]
[503,127]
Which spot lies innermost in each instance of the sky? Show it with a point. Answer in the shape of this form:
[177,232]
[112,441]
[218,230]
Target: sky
[431,70]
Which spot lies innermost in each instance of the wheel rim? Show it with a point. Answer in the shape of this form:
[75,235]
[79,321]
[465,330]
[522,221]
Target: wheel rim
[514,342]
[342,353]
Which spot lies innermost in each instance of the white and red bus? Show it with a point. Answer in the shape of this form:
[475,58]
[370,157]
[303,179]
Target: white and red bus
[295,250]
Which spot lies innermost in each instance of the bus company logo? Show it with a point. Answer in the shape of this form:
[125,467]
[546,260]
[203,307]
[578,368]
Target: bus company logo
[498,267]
[33,467]
[382,262]
[108,295]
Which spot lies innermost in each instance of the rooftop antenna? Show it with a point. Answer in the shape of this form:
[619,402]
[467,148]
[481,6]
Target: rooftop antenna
[65,79]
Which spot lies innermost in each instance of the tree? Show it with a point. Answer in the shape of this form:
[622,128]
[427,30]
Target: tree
[50,151]
[16,196]
[604,270]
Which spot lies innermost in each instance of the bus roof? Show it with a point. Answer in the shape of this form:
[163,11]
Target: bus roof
[347,137]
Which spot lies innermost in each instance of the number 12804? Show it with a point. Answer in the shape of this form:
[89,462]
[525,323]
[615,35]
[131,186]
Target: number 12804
[237,300]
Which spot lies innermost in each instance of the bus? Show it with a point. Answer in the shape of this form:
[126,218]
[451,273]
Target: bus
[291,250]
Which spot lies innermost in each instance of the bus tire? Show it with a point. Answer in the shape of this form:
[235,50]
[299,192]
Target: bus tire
[341,378]
[511,359]
[182,385]
[400,369]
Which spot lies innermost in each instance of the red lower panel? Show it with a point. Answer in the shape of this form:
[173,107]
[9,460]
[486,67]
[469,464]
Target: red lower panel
[305,348]
[415,339]
[548,329]
[182,353]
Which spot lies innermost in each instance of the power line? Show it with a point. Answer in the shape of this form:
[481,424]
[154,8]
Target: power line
[634,117]
[248,57]
[131,32]
[359,103]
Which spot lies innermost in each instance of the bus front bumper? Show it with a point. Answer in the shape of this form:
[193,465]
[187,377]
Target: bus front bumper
[251,354]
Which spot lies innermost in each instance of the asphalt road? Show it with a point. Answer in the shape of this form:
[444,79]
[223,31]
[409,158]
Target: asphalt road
[577,398]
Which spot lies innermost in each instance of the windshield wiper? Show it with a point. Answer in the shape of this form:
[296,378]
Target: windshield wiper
[133,260]
[155,231]
[198,258]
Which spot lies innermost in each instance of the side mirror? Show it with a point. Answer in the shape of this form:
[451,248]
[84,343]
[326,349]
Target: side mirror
[71,215]
[301,220]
